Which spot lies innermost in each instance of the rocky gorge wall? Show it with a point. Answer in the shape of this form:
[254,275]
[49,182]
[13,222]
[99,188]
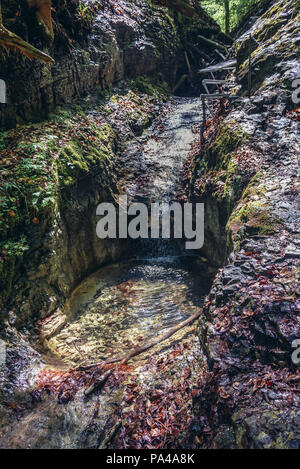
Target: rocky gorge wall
[55,173]
[247,395]
[96,44]
[65,167]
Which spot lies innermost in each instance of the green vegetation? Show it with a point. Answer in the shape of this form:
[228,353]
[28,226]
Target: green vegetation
[236,10]
[42,162]
[218,155]
[143,84]
[57,153]
[252,211]
[85,12]
[218,173]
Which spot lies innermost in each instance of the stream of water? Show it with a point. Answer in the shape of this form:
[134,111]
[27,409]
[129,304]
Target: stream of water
[124,305]
[128,303]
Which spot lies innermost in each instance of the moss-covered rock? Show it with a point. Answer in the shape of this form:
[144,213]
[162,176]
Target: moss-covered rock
[96,46]
[250,318]
[77,158]
[53,175]
[218,179]
[227,140]
[276,39]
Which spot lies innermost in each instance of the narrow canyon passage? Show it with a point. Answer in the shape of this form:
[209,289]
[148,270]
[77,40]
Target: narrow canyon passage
[154,165]
[118,308]
[133,340]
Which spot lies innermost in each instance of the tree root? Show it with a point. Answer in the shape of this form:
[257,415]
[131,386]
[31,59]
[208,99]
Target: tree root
[134,353]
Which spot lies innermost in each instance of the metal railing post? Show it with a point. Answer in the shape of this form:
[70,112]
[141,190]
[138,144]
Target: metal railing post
[203,120]
[250,70]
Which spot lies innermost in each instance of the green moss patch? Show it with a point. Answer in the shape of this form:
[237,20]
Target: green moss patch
[157,89]
[218,173]
[42,162]
[278,37]
[218,155]
[79,156]
[252,213]
[38,161]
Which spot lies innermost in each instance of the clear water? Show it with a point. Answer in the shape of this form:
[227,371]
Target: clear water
[120,307]
[123,305]
[126,304]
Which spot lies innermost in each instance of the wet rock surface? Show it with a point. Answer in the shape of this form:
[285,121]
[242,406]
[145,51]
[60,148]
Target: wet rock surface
[274,44]
[248,395]
[236,387]
[150,178]
[145,404]
[96,44]
[109,315]
[62,243]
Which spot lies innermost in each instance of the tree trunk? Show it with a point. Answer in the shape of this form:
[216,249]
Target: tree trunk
[227,16]
[43,14]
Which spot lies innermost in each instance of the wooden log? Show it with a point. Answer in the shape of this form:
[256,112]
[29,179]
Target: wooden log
[227,65]
[178,5]
[110,435]
[167,335]
[98,383]
[137,351]
[216,44]
[43,14]
[10,41]
[199,52]
[187,62]
[180,82]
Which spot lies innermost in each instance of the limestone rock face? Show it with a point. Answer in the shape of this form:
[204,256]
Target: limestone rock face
[94,47]
[251,316]
[275,41]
